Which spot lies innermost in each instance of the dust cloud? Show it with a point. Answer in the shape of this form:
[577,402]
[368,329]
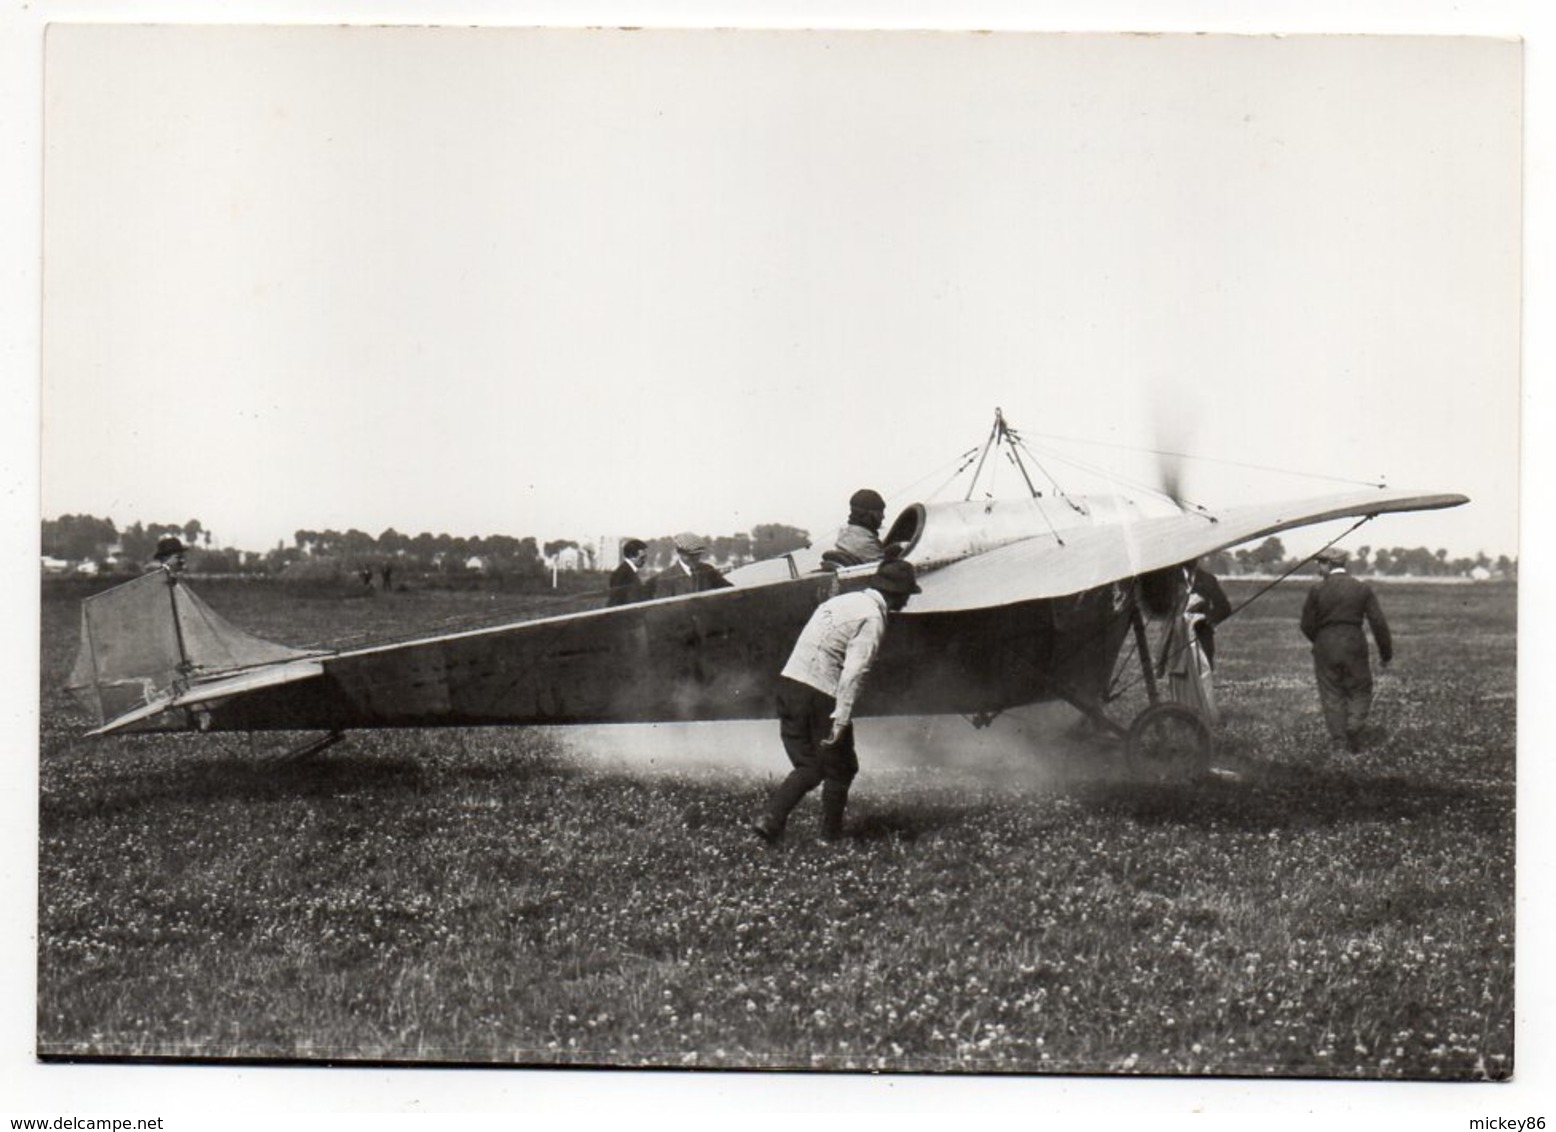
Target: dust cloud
[1035,746]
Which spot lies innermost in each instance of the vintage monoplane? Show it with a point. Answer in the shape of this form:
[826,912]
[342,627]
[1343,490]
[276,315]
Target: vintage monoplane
[1023,601]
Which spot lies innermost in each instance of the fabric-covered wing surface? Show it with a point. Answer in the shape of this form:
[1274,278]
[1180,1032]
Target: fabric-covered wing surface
[1089,556]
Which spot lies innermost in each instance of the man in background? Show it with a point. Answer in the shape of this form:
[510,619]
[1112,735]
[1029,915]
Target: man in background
[627,584]
[688,574]
[169,556]
[1332,619]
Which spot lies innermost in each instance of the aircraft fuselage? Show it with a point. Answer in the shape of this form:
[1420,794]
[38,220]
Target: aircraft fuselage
[709,656]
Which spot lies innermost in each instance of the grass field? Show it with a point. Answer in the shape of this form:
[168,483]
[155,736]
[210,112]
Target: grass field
[1007,900]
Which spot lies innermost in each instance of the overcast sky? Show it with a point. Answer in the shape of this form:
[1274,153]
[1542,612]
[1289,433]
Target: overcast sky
[573,283]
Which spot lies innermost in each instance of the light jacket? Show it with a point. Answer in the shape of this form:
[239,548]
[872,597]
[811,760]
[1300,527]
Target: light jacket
[837,647]
[859,545]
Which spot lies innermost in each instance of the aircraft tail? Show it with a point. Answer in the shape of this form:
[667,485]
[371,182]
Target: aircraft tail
[144,641]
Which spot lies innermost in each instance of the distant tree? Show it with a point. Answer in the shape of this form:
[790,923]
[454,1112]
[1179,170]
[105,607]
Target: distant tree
[393,543]
[357,544]
[525,559]
[78,537]
[1270,552]
[723,549]
[278,559]
[556,545]
[140,542]
[224,561]
[771,539]
[499,546]
[1416,561]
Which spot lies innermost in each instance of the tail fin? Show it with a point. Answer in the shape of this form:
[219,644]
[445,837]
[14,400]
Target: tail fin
[146,639]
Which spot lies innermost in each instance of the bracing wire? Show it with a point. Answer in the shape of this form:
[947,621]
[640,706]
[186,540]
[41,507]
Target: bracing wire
[1137,485]
[1211,460]
[963,460]
[1059,491]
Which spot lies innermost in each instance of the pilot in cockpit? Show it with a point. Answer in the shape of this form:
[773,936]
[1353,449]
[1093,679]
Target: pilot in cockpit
[859,540]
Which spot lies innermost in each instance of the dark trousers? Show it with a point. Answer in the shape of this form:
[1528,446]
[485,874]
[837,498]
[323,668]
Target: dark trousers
[1344,674]
[804,721]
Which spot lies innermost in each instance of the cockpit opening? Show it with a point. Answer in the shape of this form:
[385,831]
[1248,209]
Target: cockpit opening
[908,528]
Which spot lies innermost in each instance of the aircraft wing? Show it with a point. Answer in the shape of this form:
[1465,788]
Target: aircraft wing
[1080,558]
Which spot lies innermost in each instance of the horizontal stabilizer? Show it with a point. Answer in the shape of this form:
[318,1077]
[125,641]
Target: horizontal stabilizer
[217,688]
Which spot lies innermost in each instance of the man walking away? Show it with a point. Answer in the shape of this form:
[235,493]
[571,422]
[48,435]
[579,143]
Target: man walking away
[1332,619]
[818,690]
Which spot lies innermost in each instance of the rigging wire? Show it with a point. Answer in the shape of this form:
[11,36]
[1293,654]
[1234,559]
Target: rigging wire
[1211,460]
[965,460]
[1125,481]
[1064,495]
[994,433]
[1003,435]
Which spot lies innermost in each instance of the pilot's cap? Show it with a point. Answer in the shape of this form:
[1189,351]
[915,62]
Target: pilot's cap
[866,499]
[168,547]
[1334,556]
[690,544]
[895,576]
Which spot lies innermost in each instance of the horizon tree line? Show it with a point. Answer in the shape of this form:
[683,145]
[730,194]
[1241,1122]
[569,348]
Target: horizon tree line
[83,538]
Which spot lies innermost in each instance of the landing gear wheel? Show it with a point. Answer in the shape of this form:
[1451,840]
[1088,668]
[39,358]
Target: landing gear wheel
[1169,743]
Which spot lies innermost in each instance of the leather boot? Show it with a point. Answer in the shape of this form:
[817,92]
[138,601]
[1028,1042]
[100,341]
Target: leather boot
[834,799]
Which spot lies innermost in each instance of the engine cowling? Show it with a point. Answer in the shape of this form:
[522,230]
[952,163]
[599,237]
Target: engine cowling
[934,534]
